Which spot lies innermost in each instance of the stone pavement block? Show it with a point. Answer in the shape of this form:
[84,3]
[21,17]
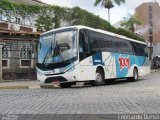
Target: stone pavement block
[142,96]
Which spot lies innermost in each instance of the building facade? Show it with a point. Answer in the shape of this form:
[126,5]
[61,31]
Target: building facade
[18,55]
[18,23]
[18,38]
[149,13]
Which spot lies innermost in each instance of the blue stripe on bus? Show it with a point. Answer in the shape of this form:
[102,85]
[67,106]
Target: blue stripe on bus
[122,71]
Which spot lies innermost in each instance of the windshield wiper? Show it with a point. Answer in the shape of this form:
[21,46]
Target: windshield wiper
[49,50]
[46,55]
[57,50]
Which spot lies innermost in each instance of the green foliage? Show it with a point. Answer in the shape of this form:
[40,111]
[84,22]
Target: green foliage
[48,17]
[130,22]
[118,2]
[129,34]
[44,18]
[7,9]
[108,4]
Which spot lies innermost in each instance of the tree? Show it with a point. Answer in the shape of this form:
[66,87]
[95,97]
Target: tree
[49,17]
[108,4]
[130,22]
[7,9]
[44,18]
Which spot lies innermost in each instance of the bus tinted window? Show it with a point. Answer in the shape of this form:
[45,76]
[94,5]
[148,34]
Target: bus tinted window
[146,50]
[122,46]
[143,50]
[84,41]
[108,43]
[103,42]
[117,45]
[97,41]
[140,49]
[126,47]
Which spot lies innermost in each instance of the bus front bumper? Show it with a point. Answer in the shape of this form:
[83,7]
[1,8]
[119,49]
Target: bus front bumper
[61,78]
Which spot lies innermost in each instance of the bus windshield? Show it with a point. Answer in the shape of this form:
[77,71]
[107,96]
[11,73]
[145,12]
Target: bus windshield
[57,47]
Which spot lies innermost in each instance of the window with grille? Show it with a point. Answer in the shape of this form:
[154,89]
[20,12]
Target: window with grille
[18,20]
[5,57]
[25,56]
[4,63]
[5,52]
[24,51]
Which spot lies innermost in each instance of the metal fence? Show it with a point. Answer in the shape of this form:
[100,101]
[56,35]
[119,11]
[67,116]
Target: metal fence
[19,60]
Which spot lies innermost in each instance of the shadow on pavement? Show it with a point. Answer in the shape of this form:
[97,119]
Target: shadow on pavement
[108,83]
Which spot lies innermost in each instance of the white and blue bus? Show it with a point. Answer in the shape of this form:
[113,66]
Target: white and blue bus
[82,54]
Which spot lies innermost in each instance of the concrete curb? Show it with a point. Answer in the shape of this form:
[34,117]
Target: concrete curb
[34,87]
[20,85]
[14,87]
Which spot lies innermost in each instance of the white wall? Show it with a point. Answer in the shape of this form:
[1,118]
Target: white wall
[28,22]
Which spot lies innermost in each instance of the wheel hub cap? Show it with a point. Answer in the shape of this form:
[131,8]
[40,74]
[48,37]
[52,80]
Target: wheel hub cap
[98,77]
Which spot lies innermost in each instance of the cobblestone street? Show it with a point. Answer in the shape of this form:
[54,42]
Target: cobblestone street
[142,96]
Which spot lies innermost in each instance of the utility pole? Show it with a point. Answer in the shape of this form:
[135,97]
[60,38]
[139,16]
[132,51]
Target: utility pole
[30,59]
[150,29]
[1,79]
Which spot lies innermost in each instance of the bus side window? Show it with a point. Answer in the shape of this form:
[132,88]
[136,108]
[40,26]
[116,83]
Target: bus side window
[126,47]
[84,46]
[131,51]
[146,50]
[135,51]
[81,44]
[97,42]
[84,41]
[108,43]
[136,48]
[143,50]
[118,45]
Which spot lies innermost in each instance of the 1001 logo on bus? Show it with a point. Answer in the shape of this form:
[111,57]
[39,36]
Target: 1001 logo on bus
[124,62]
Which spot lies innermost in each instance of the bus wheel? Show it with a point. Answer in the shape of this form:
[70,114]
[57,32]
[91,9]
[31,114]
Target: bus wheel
[99,78]
[65,85]
[135,76]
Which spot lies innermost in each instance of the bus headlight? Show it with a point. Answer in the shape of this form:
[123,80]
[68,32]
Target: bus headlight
[70,69]
[39,73]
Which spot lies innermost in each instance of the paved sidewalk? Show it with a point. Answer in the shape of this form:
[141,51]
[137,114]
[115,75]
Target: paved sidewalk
[20,84]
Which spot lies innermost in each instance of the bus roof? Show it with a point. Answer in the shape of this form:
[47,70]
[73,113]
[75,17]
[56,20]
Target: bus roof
[96,30]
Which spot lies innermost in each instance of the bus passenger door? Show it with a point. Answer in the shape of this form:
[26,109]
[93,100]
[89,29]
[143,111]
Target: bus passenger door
[84,46]
[85,57]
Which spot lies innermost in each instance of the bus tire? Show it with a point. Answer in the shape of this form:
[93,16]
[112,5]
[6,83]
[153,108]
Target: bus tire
[65,85]
[99,78]
[135,76]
